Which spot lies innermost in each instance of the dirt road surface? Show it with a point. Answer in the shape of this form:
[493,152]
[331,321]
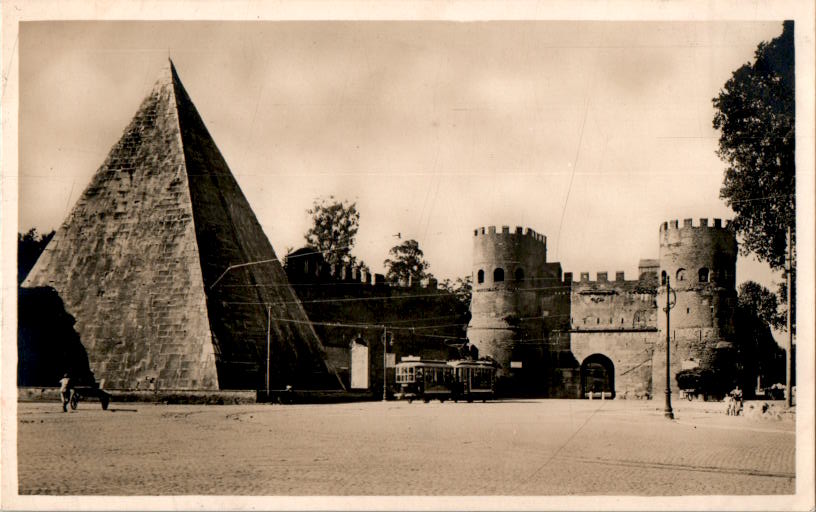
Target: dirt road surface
[532,447]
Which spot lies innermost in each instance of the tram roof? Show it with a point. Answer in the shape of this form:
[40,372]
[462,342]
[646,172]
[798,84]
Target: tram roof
[482,363]
[417,361]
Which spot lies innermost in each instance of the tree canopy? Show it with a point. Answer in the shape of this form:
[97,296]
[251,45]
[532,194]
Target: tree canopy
[334,228]
[757,301]
[755,113]
[29,247]
[760,356]
[462,290]
[406,262]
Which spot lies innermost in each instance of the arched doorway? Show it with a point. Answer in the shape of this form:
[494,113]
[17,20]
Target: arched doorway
[597,375]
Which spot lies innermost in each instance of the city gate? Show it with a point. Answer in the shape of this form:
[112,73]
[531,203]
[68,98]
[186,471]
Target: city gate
[597,376]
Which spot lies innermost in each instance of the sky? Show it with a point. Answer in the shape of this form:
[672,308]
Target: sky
[592,133]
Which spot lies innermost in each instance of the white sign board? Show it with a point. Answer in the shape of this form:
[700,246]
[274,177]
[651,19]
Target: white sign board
[359,366]
[515,364]
[390,360]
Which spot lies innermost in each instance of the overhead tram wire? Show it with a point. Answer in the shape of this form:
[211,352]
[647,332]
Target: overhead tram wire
[240,265]
[397,297]
[377,326]
[288,256]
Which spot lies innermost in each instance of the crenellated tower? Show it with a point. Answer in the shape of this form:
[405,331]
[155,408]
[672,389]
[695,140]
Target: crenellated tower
[514,298]
[700,263]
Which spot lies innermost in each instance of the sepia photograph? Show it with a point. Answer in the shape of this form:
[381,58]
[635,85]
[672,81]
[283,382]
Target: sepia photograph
[484,257]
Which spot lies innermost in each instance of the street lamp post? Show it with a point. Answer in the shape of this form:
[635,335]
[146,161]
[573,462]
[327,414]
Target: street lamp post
[668,413]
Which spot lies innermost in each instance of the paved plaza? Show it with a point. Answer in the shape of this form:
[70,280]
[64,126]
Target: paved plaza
[525,447]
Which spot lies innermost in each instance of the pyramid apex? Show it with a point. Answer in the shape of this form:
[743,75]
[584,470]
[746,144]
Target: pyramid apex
[169,79]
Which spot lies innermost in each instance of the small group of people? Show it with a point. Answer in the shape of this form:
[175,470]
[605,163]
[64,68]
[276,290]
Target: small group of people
[469,351]
[734,402]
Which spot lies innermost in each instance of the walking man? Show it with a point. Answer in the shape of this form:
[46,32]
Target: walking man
[66,390]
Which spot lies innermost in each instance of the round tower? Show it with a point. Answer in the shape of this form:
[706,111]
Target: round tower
[505,264]
[700,265]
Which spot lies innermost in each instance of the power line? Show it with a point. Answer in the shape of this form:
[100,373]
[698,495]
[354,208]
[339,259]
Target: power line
[365,325]
[572,177]
[777,196]
[345,299]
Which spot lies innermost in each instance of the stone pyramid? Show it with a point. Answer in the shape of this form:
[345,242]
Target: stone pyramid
[137,260]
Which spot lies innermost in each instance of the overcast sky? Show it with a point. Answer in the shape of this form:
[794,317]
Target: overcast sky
[592,133]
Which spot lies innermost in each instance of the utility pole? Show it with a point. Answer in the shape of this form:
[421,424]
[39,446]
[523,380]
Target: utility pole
[385,363]
[268,344]
[789,348]
[668,413]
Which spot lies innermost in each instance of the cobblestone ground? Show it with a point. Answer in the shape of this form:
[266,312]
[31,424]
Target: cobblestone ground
[536,447]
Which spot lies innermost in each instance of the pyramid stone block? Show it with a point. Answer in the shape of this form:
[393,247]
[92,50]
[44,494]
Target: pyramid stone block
[140,265]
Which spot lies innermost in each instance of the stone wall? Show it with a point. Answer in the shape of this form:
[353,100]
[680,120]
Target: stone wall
[347,305]
[547,326]
[631,353]
[616,305]
[616,319]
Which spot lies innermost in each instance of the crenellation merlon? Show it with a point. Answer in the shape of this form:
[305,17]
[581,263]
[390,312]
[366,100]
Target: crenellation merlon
[505,231]
[689,224]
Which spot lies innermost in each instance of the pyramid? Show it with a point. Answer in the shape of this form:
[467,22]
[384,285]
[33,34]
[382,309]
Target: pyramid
[140,265]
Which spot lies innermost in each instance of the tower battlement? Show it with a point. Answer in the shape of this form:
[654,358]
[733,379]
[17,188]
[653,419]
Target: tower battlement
[689,224]
[600,277]
[519,232]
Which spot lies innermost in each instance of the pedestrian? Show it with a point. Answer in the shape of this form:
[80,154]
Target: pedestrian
[737,400]
[66,391]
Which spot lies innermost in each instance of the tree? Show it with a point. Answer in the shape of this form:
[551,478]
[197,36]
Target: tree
[407,263]
[29,248]
[759,302]
[334,227]
[755,113]
[462,289]
[759,355]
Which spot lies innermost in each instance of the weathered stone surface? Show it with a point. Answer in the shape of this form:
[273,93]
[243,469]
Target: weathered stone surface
[700,262]
[136,260]
[518,301]
[421,319]
[616,324]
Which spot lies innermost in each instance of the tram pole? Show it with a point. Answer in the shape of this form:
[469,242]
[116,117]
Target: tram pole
[789,341]
[385,363]
[668,413]
[268,344]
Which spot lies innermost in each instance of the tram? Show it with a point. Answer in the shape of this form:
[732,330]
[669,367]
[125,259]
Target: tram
[475,380]
[428,380]
[424,380]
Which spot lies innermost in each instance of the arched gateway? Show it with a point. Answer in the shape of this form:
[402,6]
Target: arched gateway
[597,375]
